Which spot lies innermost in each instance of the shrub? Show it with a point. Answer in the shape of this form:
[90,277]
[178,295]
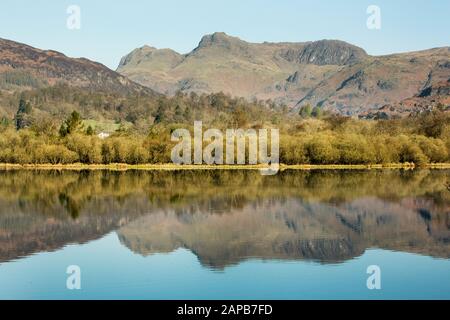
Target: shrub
[56,154]
[87,148]
[136,154]
[411,152]
[434,149]
[293,151]
[385,150]
[320,150]
[354,149]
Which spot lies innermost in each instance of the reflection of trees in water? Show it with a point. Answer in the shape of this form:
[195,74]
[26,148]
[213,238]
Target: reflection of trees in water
[220,191]
[70,205]
[41,210]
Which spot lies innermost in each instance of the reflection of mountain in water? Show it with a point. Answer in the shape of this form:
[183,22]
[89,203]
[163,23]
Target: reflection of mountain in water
[293,229]
[225,217]
[24,232]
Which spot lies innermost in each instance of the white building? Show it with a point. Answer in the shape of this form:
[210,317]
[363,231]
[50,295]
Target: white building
[103,135]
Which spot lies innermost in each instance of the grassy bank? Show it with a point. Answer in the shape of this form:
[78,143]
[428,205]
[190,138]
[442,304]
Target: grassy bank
[173,167]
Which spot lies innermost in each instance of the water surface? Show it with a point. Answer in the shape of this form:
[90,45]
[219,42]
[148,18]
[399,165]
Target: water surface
[225,234]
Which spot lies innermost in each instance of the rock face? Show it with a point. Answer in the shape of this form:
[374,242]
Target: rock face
[436,96]
[332,74]
[23,66]
[330,52]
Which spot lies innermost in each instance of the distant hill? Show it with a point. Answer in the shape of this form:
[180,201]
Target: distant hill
[22,67]
[332,74]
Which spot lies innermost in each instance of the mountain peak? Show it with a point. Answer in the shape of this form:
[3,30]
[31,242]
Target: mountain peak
[332,74]
[150,56]
[219,39]
[142,51]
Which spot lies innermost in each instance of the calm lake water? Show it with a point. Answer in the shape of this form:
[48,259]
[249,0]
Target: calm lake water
[225,234]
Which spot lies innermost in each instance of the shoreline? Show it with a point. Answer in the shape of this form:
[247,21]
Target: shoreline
[173,167]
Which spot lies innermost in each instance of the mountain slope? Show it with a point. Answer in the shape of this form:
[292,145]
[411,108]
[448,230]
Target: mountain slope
[22,66]
[435,96]
[378,81]
[329,73]
[224,63]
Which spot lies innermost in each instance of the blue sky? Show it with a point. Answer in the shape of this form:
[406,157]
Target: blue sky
[110,29]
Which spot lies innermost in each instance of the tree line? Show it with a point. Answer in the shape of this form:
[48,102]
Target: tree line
[48,126]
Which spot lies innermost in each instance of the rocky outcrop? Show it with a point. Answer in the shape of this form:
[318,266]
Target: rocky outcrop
[331,52]
[434,97]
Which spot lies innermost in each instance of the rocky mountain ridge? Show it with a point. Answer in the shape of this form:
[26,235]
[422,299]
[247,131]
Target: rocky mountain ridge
[332,74]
